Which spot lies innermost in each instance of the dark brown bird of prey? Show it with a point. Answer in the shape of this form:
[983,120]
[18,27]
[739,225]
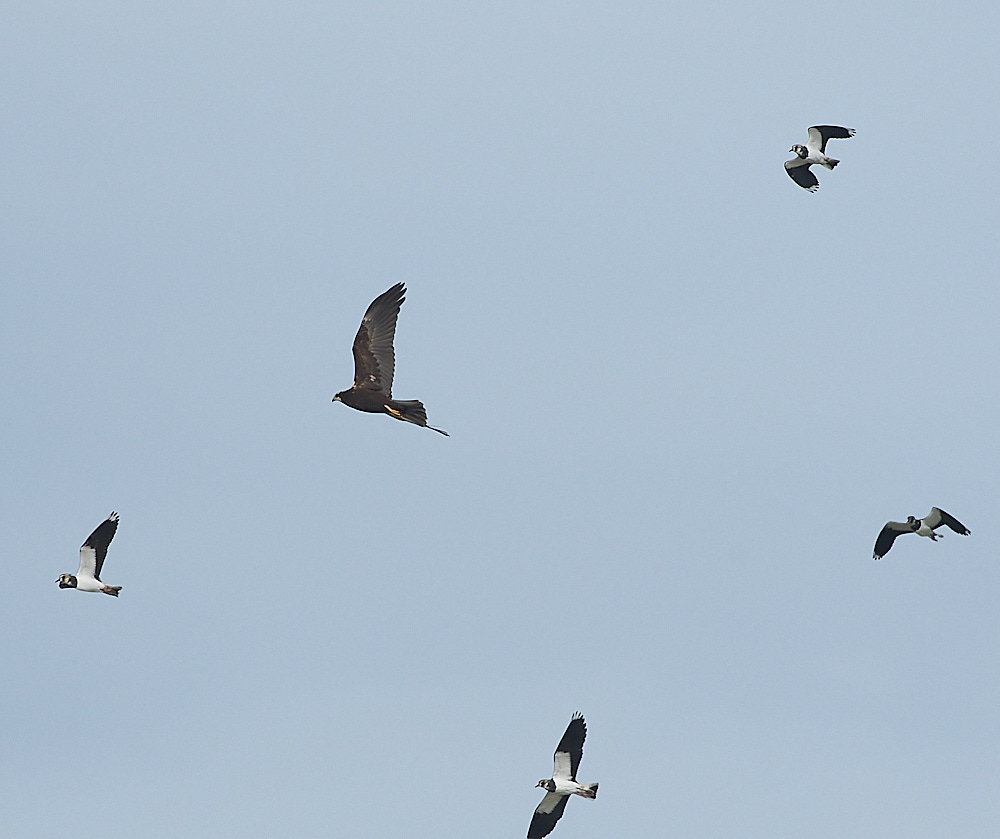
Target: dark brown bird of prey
[922,527]
[375,362]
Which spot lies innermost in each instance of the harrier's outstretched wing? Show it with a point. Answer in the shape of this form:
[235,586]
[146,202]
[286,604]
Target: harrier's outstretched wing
[374,358]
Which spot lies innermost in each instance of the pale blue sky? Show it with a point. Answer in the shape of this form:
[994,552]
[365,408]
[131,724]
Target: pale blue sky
[684,396]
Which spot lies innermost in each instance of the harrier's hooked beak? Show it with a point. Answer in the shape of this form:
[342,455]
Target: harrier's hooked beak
[336,398]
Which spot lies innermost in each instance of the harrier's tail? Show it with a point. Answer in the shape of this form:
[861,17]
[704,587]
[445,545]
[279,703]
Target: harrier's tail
[411,410]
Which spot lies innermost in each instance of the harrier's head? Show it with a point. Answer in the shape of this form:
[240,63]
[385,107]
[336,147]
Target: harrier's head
[337,397]
[66,581]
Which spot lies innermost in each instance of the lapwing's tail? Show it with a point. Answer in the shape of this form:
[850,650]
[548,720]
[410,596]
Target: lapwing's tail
[112,590]
[592,793]
[411,410]
[831,163]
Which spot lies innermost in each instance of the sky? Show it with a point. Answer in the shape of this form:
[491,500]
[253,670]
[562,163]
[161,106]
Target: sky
[683,394]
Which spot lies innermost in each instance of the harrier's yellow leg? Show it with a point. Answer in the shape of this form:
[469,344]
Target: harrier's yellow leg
[397,414]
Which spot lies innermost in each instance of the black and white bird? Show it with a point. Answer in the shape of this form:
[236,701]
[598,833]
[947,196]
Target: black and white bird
[92,553]
[563,783]
[922,527]
[814,151]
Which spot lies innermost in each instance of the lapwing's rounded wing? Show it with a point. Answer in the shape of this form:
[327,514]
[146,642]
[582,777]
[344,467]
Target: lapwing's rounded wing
[819,134]
[798,170]
[566,760]
[374,357]
[936,517]
[95,549]
[888,535]
[547,813]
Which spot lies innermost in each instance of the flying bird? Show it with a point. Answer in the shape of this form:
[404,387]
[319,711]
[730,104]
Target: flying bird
[375,362]
[92,553]
[814,151]
[563,783]
[922,527]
